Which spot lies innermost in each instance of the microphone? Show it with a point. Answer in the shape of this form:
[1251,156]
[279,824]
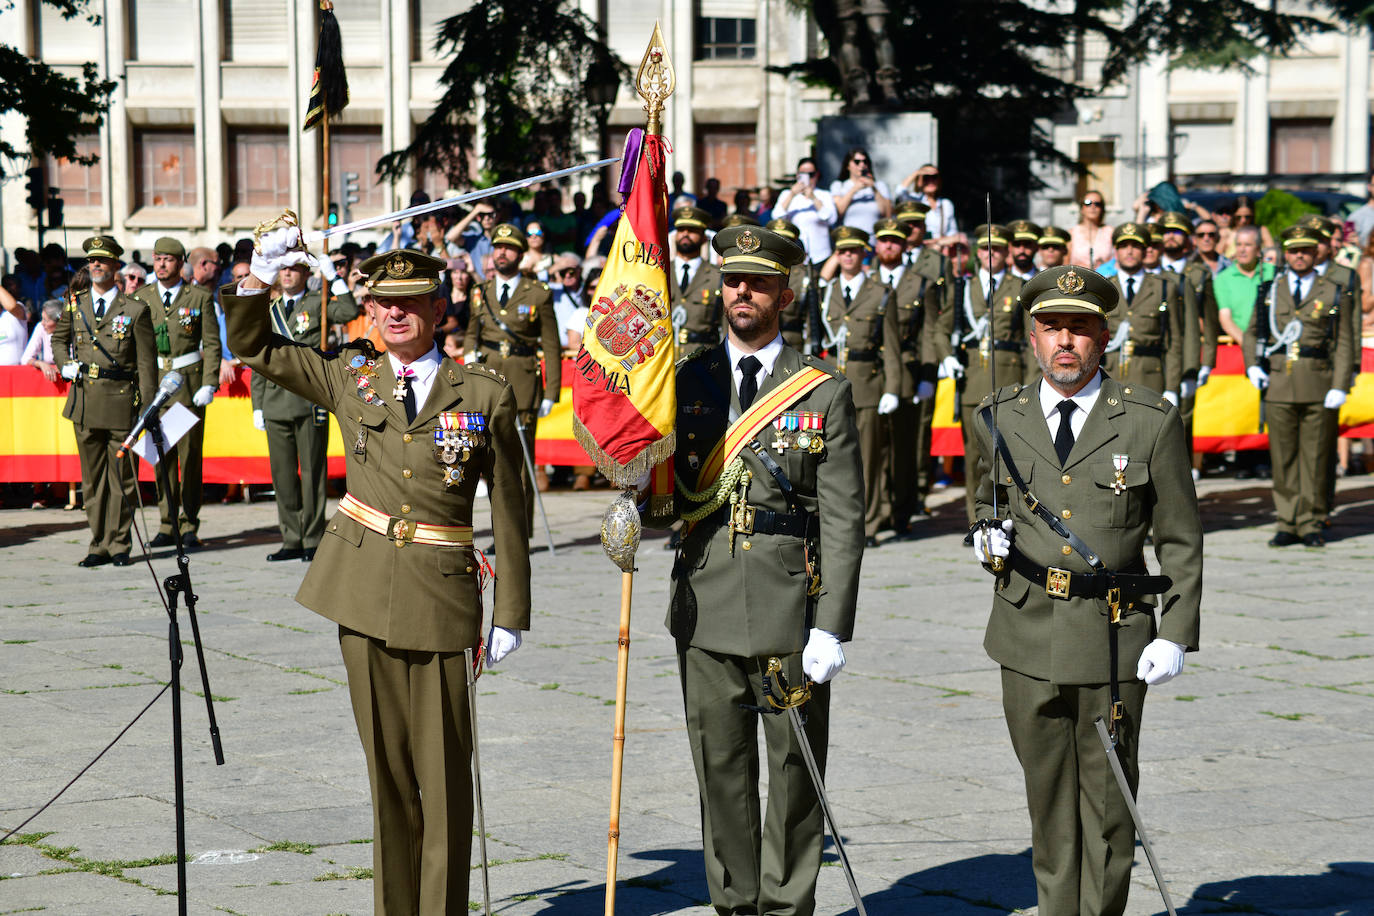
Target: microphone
[171,384]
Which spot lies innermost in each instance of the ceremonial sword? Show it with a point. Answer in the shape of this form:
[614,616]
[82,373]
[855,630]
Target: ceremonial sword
[477,778]
[1109,746]
[529,466]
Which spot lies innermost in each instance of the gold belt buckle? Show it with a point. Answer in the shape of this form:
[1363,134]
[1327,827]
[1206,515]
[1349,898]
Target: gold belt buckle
[504,347]
[402,532]
[742,518]
[92,370]
[1292,357]
[1114,605]
[1057,582]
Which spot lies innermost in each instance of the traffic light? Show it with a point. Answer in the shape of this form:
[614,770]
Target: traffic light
[333,215]
[350,194]
[54,208]
[36,188]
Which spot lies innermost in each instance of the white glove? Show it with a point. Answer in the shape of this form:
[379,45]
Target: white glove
[1203,373]
[71,370]
[1161,662]
[886,404]
[1171,397]
[924,392]
[951,367]
[327,268]
[500,643]
[992,542]
[258,422]
[270,252]
[823,657]
[1258,377]
[545,407]
[292,258]
[203,396]
[471,357]
[1334,399]
[1186,389]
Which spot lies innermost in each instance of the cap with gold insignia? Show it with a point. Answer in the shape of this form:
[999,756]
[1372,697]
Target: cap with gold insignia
[1318,222]
[509,234]
[1174,221]
[756,250]
[1156,233]
[691,218]
[1069,289]
[842,237]
[1300,236]
[994,235]
[1131,232]
[739,219]
[912,211]
[402,273]
[890,229]
[784,227]
[170,246]
[1023,230]
[102,246]
[1054,236]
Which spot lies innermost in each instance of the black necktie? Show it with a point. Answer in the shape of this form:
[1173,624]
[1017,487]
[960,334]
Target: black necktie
[1130,289]
[1297,291]
[749,367]
[407,379]
[99,309]
[167,301]
[848,299]
[686,278]
[505,294]
[1063,440]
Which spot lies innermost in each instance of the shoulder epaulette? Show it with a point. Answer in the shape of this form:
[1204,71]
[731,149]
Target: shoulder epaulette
[363,345]
[816,362]
[1146,397]
[485,370]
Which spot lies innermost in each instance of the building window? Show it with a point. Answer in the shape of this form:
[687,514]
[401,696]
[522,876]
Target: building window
[357,149]
[725,39]
[1202,147]
[161,31]
[425,17]
[1299,145]
[1098,158]
[728,153]
[255,30]
[259,168]
[164,168]
[78,185]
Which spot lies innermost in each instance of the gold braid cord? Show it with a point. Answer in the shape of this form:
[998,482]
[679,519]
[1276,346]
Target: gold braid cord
[286,218]
[727,486]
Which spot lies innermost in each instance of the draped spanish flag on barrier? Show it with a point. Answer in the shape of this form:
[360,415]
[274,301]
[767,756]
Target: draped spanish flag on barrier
[624,391]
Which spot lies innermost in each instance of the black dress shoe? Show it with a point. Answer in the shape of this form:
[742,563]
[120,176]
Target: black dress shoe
[307,554]
[191,542]
[94,559]
[870,542]
[1313,540]
[1283,539]
[121,559]
[163,539]
[286,553]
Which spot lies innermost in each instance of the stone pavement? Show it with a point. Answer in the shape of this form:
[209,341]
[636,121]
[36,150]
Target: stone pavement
[1256,780]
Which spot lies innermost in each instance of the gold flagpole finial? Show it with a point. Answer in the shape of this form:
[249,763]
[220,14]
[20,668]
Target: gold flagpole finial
[655,81]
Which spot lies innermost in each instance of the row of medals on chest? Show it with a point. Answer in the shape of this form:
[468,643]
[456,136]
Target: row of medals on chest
[457,434]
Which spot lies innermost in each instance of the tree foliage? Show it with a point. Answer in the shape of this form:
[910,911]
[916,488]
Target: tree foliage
[56,108]
[535,66]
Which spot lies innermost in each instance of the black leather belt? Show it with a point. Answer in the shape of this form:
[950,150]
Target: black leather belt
[1154,350]
[1314,353]
[1064,584]
[1014,346]
[116,373]
[510,348]
[766,521]
[863,356]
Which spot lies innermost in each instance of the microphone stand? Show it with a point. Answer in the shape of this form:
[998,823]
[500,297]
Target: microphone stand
[180,585]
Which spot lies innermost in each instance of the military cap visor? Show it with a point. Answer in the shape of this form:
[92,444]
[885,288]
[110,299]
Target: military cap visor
[784,228]
[169,246]
[1024,231]
[1069,289]
[843,237]
[402,273]
[1300,237]
[691,218]
[891,229]
[912,212]
[996,237]
[756,250]
[1053,235]
[1173,221]
[1323,226]
[1131,232]
[102,246]
[508,234]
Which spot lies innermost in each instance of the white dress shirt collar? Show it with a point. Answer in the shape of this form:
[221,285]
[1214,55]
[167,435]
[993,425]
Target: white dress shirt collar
[1083,400]
[162,290]
[891,275]
[853,284]
[767,355]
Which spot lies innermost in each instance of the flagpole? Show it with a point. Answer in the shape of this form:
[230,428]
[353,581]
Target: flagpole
[325,6]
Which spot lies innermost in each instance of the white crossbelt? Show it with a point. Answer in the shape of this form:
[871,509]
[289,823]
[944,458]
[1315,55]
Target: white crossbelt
[179,362]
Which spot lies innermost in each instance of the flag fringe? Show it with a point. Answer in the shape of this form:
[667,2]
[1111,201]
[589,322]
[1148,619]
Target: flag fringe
[629,473]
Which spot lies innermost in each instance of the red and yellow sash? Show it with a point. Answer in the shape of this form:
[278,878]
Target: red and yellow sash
[759,415]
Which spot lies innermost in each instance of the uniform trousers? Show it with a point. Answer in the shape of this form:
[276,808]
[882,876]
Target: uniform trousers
[1302,441]
[297,451]
[412,713]
[765,866]
[976,464]
[1082,835]
[109,488]
[926,421]
[183,480]
[903,432]
[873,453]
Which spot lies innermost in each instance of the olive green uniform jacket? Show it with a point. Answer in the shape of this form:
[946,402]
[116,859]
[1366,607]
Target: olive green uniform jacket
[529,315]
[1008,325]
[1325,326]
[873,362]
[189,326]
[793,320]
[302,325]
[700,301]
[416,597]
[1158,321]
[917,296]
[126,333]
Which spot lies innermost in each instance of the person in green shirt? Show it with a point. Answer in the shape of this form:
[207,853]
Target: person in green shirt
[1237,285]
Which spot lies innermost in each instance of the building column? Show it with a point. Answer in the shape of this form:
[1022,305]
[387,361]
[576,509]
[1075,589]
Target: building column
[304,146]
[1351,151]
[117,137]
[398,129]
[1252,153]
[679,15]
[1154,125]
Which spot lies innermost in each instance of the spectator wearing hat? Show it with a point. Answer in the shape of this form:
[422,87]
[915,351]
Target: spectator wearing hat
[810,209]
[1054,247]
[693,283]
[113,369]
[1148,333]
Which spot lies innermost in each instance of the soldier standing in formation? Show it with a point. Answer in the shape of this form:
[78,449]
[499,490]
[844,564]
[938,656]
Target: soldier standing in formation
[1199,320]
[862,342]
[749,584]
[796,315]
[297,430]
[186,333]
[693,284]
[1073,621]
[1054,247]
[1025,242]
[1299,352]
[106,339]
[1149,331]
[510,327]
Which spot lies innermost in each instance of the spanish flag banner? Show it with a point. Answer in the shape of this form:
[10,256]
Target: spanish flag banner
[624,387]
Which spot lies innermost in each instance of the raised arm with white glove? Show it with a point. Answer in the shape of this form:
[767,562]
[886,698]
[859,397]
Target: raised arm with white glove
[275,250]
[823,657]
[500,643]
[1160,662]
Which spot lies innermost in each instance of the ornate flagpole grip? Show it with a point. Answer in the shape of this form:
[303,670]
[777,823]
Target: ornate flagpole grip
[655,81]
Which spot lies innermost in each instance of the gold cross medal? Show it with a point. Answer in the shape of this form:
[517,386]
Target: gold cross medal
[1119,481]
[399,392]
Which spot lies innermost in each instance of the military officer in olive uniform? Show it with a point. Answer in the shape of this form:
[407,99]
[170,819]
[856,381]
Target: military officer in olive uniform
[766,569]
[187,336]
[1150,329]
[1025,244]
[1304,373]
[860,330]
[113,372]
[297,430]
[803,282]
[511,326]
[1109,464]
[1054,247]
[396,568]
[988,325]
[694,283]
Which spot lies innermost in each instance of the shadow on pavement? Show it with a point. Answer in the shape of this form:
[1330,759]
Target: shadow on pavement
[1345,888]
[999,882]
[678,884]
[12,537]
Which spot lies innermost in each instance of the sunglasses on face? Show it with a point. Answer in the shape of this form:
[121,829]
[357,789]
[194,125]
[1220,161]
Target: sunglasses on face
[859,160]
[1244,214]
[931,176]
[568,272]
[340,265]
[536,233]
[1207,235]
[1092,203]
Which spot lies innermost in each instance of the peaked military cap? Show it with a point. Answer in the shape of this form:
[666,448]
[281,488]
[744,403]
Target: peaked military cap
[1069,289]
[1300,236]
[1053,235]
[756,250]
[843,237]
[995,235]
[1174,221]
[739,219]
[1318,222]
[912,211]
[509,234]
[1131,232]
[783,227]
[402,273]
[168,245]
[1156,233]
[691,218]
[1023,230]
[102,246]
[891,229]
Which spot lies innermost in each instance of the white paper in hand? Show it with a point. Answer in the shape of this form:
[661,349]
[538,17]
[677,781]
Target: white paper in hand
[177,421]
